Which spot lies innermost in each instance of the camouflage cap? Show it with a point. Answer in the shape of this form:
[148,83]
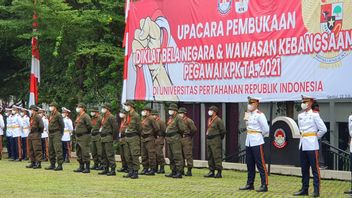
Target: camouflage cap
[107,106]
[155,112]
[214,108]
[182,110]
[82,105]
[54,104]
[173,106]
[34,108]
[94,109]
[130,103]
[147,107]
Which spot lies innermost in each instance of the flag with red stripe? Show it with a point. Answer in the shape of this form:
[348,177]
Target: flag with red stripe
[35,67]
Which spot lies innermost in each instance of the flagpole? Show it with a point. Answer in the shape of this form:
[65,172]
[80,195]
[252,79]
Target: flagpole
[125,44]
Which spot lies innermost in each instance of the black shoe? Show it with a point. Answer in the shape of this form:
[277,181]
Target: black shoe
[316,194]
[51,167]
[100,167]
[105,171]
[144,171]
[128,175]
[151,172]
[112,171]
[349,192]
[161,170]
[189,172]
[301,192]
[210,174]
[30,165]
[87,169]
[80,168]
[177,175]
[37,165]
[59,168]
[247,187]
[134,175]
[171,174]
[263,188]
[218,174]
[122,170]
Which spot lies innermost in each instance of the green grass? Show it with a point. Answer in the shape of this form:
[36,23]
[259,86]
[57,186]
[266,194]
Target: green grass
[18,181]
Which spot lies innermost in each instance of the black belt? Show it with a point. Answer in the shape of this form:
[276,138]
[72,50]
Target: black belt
[171,134]
[147,135]
[95,134]
[81,134]
[105,134]
[209,137]
[131,134]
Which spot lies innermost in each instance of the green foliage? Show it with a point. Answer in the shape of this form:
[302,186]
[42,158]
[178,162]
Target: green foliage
[80,50]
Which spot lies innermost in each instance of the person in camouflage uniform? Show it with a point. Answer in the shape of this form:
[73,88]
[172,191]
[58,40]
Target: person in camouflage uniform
[150,130]
[186,140]
[35,145]
[96,149]
[83,127]
[56,130]
[108,127]
[174,131]
[122,140]
[215,134]
[133,140]
[159,142]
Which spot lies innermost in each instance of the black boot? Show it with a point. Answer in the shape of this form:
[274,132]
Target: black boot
[151,172]
[80,168]
[87,169]
[105,171]
[210,174]
[218,174]
[316,194]
[263,188]
[301,192]
[30,165]
[134,174]
[161,170]
[177,175]
[129,174]
[99,167]
[51,167]
[247,187]
[112,171]
[144,171]
[37,165]
[171,174]
[189,172]
[349,192]
[59,168]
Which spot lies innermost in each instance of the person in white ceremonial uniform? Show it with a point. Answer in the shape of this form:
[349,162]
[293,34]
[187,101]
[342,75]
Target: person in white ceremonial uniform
[45,135]
[25,133]
[350,144]
[312,128]
[257,128]
[17,126]
[9,130]
[2,128]
[66,137]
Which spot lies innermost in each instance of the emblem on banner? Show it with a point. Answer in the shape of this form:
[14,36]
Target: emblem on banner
[280,138]
[224,6]
[333,13]
[241,6]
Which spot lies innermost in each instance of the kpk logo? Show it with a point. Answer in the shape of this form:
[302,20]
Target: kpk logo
[280,138]
[241,6]
[224,6]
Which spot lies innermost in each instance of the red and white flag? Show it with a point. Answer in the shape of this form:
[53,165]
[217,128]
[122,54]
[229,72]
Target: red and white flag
[125,44]
[35,67]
